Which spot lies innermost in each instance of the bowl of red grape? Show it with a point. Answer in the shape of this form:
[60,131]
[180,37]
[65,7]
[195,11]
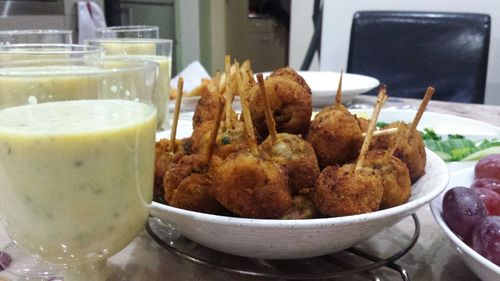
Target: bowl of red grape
[469,213]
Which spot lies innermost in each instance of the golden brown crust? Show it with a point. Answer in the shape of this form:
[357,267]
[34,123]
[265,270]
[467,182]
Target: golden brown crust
[411,151]
[194,193]
[188,186]
[299,159]
[163,161]
[363,123]
[335,137]
[293,75]
[302,208]
[206,108]
[291,105]
[251,187]
[340,191]
[227,142]
[395,178]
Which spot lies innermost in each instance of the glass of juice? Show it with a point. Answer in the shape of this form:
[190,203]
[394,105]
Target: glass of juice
[76,173]
[17,52]
[157,50]
[128,31]
[36,36]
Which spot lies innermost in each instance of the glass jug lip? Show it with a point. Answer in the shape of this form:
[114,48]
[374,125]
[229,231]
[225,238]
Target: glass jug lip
[49,48]
[73,67]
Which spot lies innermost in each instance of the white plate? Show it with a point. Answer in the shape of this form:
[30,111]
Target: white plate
[291,239]
[324,85]
[443,124]
[483,268]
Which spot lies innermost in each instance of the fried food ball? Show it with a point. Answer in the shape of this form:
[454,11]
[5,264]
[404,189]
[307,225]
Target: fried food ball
[410,150]
[291,74]
[297,156]
[206,108]
[231,140]
[290,102]
[335,136]
[302,208]
[188,186]
[342,191]
[363,123]
[250,186]
[395,177]
[164,160]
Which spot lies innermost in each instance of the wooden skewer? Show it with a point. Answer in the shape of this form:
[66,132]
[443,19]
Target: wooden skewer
[373,121]
[271,125]
[338,96]
[228,93]
[246,114]
[421,109]
[178,99]
[214,132]
[383,132]
[397,140]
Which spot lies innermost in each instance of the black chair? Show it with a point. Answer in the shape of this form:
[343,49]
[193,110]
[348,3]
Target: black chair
[410,51]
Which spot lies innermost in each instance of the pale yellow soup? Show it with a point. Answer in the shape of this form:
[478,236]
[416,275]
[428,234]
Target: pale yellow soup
[132,48]
[76,176]
[53,53]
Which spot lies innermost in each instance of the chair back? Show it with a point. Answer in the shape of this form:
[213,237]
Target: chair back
[410,51]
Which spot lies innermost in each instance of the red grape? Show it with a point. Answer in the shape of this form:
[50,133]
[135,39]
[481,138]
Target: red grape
[488,183]
[491,199]
[5,260]
[488,167]
[462,209]
[486,238]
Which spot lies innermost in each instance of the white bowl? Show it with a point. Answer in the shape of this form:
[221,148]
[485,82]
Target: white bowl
[293,239]
[324,86]
[483,268]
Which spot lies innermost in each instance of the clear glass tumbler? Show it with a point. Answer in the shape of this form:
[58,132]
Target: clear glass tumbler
[128,31]
[157,50]
[36,36]
[18,52]
[76,162]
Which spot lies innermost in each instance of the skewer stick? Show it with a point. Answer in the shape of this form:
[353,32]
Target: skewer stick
[383,132]
[228,93]
[178,99]
[373,121]
[214,132]
[397,140]
[271,125]
[338,96]
[421,109]
[246,114]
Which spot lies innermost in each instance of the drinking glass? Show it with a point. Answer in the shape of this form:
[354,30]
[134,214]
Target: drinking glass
[76,171]
[17,52]
[128,31]
[157,50]
[36,36]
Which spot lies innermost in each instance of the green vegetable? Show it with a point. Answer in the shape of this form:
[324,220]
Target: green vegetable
[429,134]
[382,124]
[226,140]
[457,147]
[481,153]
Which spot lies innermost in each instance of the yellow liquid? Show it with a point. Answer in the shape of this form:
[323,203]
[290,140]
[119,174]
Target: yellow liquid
[76,176]
[125,49]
